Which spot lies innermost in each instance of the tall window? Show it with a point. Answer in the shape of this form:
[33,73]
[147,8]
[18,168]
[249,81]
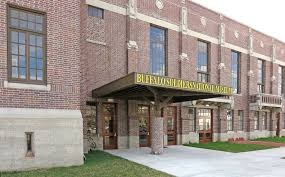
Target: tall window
[95,12]
[256,120]
[230,120]
[264,120]
[240,120]
[27,61]
[192,118]
[202,62]
[280,78]
[260,76]
[235,71]
[157,51]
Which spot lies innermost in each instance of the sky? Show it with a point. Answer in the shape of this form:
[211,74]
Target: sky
[266,16]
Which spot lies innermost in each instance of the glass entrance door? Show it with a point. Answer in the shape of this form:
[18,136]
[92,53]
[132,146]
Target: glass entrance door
[205,125]
[109,126]
[144,125]
[171,125]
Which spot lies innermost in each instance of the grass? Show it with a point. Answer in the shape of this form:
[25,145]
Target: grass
[272,139]
[98,164]
[229,147]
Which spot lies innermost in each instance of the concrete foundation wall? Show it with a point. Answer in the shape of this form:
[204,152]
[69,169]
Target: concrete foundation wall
[229,135]
[57,138]
[261,134]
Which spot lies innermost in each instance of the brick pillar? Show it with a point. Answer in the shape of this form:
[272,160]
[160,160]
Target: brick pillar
[133,125]
[157,135]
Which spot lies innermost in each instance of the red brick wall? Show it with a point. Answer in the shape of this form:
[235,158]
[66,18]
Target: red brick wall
[63,57]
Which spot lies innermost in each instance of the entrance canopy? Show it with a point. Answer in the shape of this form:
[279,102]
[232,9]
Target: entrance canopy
[140,86]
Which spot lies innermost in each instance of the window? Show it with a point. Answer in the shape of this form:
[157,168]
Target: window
[27,61]
[240,120]
[192,117]
[202,62]
[280,78]
[235,71]
[95,12]
[157,51]
[260,76]
[264,120]
[256,120]
[230,116]
[29,141]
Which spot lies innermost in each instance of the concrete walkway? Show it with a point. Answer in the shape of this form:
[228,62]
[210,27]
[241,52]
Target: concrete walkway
[195,162]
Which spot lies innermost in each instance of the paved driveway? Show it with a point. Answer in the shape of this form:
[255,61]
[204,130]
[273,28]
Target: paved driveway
[195,162]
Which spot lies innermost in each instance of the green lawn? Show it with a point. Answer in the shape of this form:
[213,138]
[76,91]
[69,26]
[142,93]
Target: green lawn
[272,139]
[229,147]
[98,164]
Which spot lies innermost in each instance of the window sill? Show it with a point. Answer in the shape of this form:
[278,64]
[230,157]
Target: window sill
[26,86]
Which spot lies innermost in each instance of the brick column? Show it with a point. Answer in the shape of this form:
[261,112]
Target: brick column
[133,125]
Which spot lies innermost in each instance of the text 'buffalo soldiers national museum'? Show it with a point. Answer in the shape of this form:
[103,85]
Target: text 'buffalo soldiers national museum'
[130,74]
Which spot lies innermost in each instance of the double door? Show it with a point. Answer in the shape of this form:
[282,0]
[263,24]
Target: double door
[205,125]
[144,125]
[109,126]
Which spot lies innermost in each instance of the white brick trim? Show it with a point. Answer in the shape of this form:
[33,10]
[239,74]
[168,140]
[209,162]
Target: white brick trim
[29,113]
[27,86]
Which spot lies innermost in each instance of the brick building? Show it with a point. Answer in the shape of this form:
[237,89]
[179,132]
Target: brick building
[130,69]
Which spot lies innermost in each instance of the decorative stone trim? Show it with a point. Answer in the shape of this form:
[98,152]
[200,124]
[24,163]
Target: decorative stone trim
[133,45]
[184,21]
[27,86]
[261,44]
[222,36]
[96,42]
[132,9]
[221,66]
[31,113]
[274,53]
[184,57]
[250,73]
[273,78]
[236,33]
[203,21]
[250,45]
[159,4]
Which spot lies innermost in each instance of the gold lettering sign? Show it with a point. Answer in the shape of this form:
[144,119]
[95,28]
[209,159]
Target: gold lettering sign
[161,81]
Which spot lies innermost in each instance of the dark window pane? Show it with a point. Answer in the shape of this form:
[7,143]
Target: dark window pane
[39,27]
[31,18]
[14,22]
[22,50]
[22,61]
[23,24]
[14,37]
[39,64]
[39,41]
[32,40]
[95,12]
[23,16]
[31,26]
[39,19]
[22,38]
[15,72]
[39,52]
[14,13]
[32,51]
[39,74]
[33,63]
[33,74]
[22,73]
[14,48]
[14,60]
